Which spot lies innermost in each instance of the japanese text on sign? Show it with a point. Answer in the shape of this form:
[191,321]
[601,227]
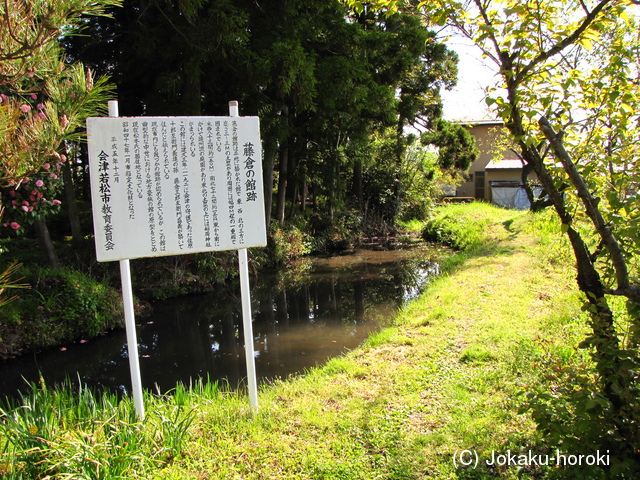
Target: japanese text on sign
[175,185]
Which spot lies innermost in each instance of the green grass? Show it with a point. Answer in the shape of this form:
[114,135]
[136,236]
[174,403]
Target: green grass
[449,375]
[74,432]
[411,226]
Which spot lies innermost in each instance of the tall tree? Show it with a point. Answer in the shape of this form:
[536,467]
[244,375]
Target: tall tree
[171,54]
[318,76]
[569,96]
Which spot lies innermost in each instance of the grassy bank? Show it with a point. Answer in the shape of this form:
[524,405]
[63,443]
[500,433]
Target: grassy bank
[449,376]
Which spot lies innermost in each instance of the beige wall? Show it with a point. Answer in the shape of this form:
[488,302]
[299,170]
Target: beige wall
[487,135]
[506,175]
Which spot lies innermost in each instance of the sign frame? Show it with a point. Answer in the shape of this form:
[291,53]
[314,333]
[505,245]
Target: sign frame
[107,214]
[175,185]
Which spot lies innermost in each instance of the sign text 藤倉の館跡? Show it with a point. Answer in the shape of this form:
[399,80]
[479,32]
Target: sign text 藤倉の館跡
[175,185]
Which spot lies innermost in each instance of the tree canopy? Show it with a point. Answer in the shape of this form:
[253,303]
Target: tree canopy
[325,81]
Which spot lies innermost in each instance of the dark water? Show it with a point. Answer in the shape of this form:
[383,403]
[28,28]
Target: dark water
[298,323]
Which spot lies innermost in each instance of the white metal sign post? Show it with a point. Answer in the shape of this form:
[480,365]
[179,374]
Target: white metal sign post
[247,324]
[176,185]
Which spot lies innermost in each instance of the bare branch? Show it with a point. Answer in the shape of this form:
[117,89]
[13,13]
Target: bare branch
[584,7]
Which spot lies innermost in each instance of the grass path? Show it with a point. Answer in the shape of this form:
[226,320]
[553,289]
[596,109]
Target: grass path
[446,377]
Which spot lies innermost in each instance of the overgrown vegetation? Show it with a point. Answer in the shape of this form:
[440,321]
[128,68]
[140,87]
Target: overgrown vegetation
[331,180]
[492,340]
[570,403]
[68,432]
[569,98]
[61,305]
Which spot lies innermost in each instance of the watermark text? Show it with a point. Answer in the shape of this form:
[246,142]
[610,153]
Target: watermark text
[471,459]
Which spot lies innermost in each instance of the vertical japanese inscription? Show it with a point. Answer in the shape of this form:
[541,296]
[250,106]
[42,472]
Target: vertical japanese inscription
[128,169]
[183,184]
[237,180]
[212,179]
[186,150]
[228,161]
[176,186]
[115,160]
[156,136]
[204,183]
[148,187]
[105,199]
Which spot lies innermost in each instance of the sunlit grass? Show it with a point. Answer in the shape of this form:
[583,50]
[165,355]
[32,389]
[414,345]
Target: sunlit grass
[411,226]
[449,374]
[74,432]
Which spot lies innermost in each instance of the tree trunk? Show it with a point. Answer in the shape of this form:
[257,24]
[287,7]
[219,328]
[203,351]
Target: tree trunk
[333,188]
[283,171]
[303,189]
[294,197]
[46,243]
[282,183]
[357,187]
[605,339]
[191,102]
[292,182]
[616,255]
[270,151]
[71,203]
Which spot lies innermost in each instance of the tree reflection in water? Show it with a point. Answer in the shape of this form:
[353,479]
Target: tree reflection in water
[298,323]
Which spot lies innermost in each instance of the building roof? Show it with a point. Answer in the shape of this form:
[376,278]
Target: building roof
[505,164]
[473,123]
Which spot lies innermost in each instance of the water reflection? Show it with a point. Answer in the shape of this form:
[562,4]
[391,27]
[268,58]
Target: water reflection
[297,324]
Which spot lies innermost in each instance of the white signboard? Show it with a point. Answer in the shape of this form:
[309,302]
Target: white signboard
[175,185]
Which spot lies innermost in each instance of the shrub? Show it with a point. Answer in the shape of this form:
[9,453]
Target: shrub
[467,226]
[284,246]
[61,305]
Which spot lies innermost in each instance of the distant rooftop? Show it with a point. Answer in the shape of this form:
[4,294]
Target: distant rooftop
[507,164]
[480,122]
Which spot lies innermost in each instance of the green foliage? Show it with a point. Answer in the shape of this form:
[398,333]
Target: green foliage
[285,245]
[82,301]
[444,377]
[464,227]
[8,280]
[413,225]
[74,432]
[569,99]
[398,188]
[215,267]
[159,278]
[575,415]
[421,183]
[61,305]
[323,79]
[456,146]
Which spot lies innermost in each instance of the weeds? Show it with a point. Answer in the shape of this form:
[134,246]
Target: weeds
[451,374]
[74,432]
